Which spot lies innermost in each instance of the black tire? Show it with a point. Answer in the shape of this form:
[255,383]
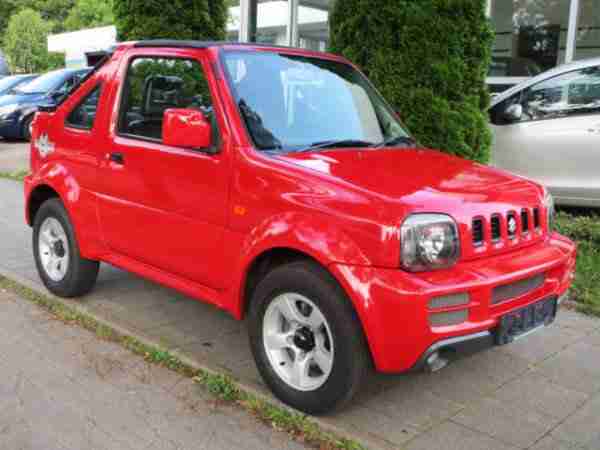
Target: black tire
[26,129]
[351,360]
[81,273]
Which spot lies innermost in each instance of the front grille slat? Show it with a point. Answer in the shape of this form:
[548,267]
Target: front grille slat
[525,221]
[536,218]
[478,232]
[496,228]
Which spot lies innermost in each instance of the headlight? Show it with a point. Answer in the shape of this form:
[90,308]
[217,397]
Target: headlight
[550,210]
[9,109]
[429,241]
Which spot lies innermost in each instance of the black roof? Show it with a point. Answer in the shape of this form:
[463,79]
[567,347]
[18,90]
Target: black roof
[198,44]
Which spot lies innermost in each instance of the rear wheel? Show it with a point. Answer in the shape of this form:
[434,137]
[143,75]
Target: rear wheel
[306,339]
[60,266]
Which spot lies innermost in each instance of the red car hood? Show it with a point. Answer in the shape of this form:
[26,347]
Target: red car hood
[422,179]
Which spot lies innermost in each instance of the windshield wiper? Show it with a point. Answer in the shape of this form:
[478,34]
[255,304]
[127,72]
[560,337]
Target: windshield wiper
[336,143]
[398,140]
[263,138]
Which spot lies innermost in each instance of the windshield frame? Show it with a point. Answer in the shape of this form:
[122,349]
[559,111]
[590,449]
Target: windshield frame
[298,53]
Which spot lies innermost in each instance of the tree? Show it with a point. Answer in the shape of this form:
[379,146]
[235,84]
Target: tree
[429,59]
[90,14]
[25,43]
[54,11]
[175,19]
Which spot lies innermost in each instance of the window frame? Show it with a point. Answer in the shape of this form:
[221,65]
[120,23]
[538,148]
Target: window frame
[99,86]
[124,91]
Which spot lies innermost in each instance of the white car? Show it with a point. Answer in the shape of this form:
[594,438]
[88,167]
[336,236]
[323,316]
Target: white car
[548,129]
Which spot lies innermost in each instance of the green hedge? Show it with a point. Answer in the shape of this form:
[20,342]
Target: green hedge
[429,58]
[170,19]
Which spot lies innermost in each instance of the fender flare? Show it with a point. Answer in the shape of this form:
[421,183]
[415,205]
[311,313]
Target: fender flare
[79,204]
[316,237]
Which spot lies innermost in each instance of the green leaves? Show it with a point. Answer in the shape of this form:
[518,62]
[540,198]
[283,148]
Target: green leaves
[90,14]
[429,59]
[25,43]
[174,19]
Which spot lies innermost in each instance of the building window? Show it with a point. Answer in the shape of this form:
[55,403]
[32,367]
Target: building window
[587,44]
[531,36]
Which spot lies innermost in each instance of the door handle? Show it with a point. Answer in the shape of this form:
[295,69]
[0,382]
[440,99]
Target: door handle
[117,158]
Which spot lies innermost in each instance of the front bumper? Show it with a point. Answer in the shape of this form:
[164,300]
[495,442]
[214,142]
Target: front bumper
[394,306]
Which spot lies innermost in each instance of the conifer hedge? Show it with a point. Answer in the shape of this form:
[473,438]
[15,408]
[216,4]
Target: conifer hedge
[170,19]
[429,58]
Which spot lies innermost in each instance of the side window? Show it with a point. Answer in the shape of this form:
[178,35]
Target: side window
[155,84]
[84,114]
[570,94]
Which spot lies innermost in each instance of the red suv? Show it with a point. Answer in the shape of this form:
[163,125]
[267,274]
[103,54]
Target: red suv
[278,184]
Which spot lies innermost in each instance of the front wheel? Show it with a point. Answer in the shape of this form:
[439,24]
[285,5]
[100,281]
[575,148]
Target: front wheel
[306,339]
[60,266]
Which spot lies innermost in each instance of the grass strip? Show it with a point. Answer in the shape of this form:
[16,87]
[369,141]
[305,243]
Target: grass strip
[221,386]
[585,231]
[18,175]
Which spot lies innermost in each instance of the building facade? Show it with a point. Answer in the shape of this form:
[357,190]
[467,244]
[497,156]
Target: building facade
[531,35]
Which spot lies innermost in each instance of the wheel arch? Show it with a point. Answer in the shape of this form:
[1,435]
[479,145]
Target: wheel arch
[264,263]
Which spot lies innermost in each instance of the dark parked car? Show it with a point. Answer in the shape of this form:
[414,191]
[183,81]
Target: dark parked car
[7,84]
[18,108]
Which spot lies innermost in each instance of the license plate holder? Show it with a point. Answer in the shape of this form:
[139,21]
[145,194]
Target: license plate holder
[523,321]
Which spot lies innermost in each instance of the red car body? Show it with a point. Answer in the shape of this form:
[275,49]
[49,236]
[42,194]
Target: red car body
[200,222]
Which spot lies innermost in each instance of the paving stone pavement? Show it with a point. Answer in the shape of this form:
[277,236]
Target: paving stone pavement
[63,388]
[540,393]
[14,156]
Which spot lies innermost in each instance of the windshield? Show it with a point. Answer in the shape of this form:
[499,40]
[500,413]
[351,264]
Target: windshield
[43,84]
[295,103]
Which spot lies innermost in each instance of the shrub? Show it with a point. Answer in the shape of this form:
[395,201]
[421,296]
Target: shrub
[170,19]
[429,59]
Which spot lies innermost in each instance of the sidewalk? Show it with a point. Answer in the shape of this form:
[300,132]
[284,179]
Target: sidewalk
[14,156]
[63,388]
[540,393]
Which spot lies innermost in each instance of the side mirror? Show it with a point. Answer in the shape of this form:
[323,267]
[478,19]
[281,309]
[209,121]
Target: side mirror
[513,113]
[186,128]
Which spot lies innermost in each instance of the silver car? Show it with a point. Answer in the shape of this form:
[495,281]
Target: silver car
[548,129]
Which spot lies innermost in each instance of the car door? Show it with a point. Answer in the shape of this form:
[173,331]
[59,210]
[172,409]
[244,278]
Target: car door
[160,205]
[556,139]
